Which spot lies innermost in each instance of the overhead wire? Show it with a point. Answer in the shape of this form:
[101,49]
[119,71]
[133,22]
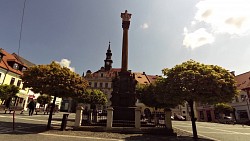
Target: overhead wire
[21,29]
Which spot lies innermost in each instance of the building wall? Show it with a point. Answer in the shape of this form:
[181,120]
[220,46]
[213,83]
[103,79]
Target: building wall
[3,73]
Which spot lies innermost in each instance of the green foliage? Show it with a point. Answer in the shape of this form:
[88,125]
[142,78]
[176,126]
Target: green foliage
[154,95]
[54,80]
[93,96]
[8,91]
[223,108]
[44,99]
[193,81]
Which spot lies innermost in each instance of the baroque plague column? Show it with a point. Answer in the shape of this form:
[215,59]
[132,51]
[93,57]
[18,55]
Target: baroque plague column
[123,96]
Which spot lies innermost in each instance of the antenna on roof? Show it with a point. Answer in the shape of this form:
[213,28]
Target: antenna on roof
[20,33]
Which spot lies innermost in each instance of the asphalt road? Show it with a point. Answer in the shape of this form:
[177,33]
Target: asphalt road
[216,131]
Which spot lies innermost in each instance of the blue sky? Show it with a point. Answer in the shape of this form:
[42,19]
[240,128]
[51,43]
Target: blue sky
[162,33]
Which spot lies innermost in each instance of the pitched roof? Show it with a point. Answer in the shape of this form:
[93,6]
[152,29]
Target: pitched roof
[141,78]
[8,57]
[243,80]
[24,61]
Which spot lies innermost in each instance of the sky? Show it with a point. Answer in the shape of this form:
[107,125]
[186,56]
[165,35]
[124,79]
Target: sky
[162,33]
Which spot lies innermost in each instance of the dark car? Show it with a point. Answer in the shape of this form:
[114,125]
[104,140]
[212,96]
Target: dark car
[227,120]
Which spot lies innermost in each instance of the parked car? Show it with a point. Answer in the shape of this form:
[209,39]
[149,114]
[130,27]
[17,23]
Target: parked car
[179,117]
[172,117]
[227,120]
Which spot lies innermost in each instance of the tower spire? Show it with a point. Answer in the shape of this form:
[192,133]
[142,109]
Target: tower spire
[108,61]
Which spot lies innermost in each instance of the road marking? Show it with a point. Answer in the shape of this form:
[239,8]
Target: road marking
[223,133]
[198,134]
[70,136]
[213,128]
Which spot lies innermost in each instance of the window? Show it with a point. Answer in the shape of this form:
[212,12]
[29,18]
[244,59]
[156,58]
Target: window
[0,75]
[90,84]
[243,97]
[12,81]
[236,99]
[24,68]
[95,84]
[19,83]
[106,85]
[101,85]
[1,56]
[15,66]
[101,74]
[23,88]
[184,112]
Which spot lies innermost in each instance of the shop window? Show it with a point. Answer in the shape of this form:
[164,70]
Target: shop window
[243,114]
[201,115]
[20,100]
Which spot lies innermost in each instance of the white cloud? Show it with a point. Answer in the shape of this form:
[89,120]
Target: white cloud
[144,26]
[197,38]
[222,17]
[225,16]
[66,63]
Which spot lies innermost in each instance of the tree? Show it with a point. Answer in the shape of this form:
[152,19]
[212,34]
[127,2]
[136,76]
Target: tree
[93,97]
[223,108]
[54,80]
[43,99]
[154,95]
[193,81]
[7,92]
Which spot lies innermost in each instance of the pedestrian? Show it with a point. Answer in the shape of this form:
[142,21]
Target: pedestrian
[31,107]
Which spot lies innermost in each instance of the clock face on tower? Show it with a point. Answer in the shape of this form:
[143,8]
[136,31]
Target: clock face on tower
[108,63]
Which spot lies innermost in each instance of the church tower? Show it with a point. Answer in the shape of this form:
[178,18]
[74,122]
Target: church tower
[108,61]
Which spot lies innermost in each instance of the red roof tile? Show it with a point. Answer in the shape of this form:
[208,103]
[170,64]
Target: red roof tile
[8,57]
[243,80]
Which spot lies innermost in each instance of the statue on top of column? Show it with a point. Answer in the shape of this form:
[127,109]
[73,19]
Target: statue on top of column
[126,16]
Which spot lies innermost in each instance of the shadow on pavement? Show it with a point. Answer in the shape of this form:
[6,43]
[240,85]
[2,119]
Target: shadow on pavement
[146,137]
[21,128]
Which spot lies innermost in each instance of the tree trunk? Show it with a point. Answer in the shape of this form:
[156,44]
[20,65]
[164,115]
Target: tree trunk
[51,113]
[193,119]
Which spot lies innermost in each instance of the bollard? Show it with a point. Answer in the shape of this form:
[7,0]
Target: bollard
[64,122]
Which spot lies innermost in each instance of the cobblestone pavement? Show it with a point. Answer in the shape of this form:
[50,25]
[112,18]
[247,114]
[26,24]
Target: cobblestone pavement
[27,127]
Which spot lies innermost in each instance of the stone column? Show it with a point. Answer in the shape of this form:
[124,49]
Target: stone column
[168,121]
[137,118]
[109,117]
[78,118]
[125,25]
